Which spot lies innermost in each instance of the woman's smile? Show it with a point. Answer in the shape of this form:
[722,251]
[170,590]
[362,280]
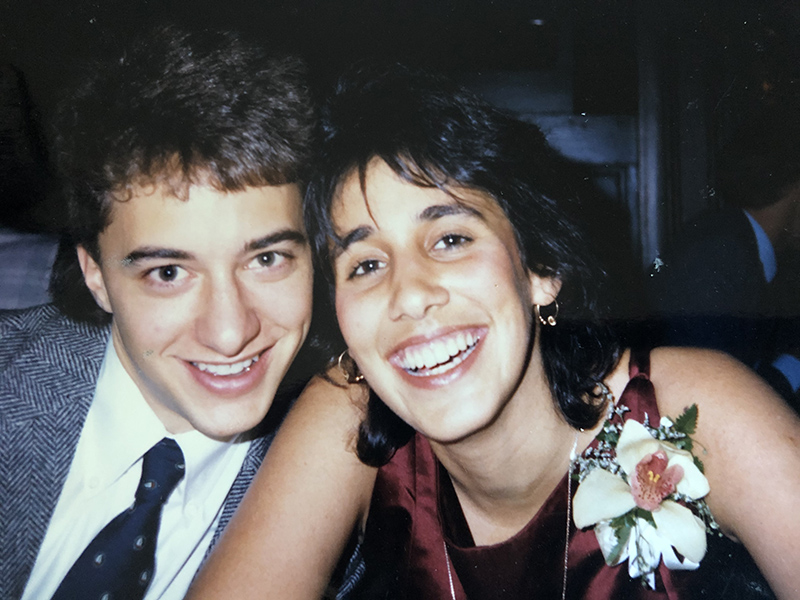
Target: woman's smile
[440,359]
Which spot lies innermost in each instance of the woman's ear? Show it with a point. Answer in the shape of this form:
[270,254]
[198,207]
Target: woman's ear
[544,290]
[93,277]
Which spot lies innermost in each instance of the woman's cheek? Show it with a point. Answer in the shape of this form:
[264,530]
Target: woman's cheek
[346,312]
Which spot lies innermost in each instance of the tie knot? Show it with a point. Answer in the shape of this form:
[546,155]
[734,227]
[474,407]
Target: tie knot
[162,468]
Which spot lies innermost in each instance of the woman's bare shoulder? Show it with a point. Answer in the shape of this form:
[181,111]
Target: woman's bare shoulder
[714,380]
[329,396]
[748,438]
[738,411]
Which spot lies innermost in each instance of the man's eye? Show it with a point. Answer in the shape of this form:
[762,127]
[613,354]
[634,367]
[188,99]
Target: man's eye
[366,267]
[451,240]
[269,260]
[167,273]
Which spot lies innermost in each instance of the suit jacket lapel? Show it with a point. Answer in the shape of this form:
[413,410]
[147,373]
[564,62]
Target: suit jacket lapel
[252,462]
[46,389]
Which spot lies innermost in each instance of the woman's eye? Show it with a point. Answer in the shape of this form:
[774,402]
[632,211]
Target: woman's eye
[451,240]
[366,267]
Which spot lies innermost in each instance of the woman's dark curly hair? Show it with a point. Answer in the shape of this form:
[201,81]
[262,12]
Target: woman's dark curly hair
[432,133]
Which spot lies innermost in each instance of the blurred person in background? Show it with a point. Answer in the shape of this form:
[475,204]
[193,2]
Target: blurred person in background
[729,280]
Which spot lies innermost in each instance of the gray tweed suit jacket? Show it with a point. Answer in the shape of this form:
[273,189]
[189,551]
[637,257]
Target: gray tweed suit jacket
[48,369]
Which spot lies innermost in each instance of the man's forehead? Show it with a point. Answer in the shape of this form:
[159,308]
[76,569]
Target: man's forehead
[173,181]
[178,191]
[153,216]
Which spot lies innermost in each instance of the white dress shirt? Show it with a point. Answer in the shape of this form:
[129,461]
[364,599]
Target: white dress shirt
[102,480]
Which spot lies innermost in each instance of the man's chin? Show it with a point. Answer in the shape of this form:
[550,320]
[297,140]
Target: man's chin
[226,434]
[225,427]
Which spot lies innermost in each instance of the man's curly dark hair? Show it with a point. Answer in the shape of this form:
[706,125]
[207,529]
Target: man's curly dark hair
[176,109]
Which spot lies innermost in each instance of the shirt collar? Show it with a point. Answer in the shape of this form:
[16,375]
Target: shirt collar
[766,253]
[121,427]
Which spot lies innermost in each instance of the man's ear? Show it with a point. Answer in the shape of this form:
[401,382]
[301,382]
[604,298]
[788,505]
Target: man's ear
[543,289]
[93,277]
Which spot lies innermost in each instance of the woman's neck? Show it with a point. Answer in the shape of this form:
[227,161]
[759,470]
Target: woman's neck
[504,473]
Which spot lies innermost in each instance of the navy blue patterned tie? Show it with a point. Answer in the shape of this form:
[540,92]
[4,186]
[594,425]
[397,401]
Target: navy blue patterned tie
[119,563]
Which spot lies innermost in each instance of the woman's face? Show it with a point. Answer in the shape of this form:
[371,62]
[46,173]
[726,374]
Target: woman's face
[433,300]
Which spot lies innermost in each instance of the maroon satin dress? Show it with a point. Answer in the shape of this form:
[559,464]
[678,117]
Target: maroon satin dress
[414,509]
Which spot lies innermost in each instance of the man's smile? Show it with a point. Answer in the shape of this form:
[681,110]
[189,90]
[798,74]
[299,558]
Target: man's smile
[227,369]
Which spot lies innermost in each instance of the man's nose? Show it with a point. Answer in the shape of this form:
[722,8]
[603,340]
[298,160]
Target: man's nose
[228,319]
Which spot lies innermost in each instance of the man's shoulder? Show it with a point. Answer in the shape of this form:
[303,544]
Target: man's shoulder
[44,319]
[44,333]
[21,325]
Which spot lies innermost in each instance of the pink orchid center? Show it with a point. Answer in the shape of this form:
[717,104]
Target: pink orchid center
[653,481]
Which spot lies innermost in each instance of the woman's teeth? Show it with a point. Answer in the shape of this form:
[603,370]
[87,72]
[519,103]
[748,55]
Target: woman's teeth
[232,369]
[438,355]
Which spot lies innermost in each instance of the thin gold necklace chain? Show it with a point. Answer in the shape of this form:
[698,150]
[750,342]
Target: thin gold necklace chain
[573,456]
[449,571]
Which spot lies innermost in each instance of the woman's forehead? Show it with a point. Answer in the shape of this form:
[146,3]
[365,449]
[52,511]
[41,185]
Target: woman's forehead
[365,192]
[390,206]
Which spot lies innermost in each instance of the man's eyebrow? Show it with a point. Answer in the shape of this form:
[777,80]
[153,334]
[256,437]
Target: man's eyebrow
[154,253]
[291,235]
[158,253]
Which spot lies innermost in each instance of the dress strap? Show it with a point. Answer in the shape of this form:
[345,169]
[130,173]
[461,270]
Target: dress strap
[639,362]
[639,395]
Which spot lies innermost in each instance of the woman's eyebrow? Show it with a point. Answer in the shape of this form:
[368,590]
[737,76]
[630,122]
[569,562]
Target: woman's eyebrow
[430,213]
[437,211]
[356,235]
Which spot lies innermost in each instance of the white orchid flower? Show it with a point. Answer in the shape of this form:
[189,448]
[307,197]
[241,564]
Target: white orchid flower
[654,469]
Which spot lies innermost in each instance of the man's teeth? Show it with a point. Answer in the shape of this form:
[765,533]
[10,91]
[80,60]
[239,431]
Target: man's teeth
[233,369]
[438,352]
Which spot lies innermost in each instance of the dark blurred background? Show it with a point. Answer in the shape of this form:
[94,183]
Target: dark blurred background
[643,92]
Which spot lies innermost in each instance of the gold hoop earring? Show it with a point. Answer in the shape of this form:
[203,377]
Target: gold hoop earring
[549,319]
[349,368]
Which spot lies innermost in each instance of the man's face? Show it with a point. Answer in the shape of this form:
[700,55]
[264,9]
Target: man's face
[210,298]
